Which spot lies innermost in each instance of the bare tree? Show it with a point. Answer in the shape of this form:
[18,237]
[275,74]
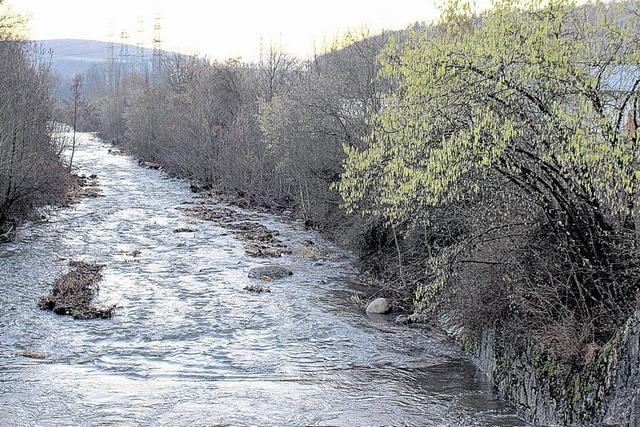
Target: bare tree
[76,99]
[30,170]
[276,69]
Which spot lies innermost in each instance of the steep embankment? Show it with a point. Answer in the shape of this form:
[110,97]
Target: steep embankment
[604,391]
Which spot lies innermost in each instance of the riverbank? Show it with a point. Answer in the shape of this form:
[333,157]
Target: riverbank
[74,188]
[358,235]
[604,391]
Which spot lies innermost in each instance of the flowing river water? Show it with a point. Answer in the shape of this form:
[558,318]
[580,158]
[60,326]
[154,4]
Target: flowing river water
[189,346]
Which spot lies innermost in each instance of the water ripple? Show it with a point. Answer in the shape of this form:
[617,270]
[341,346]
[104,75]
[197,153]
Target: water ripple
[188,346]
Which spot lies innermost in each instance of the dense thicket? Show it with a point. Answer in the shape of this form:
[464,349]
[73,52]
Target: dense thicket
[30,170]
[271,132]
[494,158]
[510,143]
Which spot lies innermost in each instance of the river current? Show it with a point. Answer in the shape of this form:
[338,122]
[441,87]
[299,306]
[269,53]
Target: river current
[189,346]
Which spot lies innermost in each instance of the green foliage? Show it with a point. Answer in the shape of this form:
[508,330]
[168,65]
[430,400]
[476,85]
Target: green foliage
[519,125]
[521,92]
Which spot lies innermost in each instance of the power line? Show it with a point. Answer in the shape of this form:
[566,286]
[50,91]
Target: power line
[124,53]
[141,63]
[111,71]
[157,46]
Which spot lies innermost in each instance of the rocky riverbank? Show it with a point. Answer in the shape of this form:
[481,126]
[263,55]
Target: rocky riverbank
[602,391]
[76,187]
[260,242]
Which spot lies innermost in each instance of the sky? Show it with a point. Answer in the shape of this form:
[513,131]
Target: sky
[220,29]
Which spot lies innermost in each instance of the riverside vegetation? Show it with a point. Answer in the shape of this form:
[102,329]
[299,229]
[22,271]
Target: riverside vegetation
[486,169]
[31,173]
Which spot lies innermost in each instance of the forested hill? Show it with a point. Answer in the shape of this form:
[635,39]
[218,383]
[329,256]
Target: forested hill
[71,56]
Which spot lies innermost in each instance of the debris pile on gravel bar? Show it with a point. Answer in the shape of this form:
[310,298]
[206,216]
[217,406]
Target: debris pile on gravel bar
[73,293]
[259,241]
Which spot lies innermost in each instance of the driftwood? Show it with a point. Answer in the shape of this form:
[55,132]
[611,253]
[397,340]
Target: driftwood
[6,236]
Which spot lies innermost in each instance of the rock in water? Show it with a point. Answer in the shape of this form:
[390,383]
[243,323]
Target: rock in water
[258,289]
[402,320]
[33,355]
[184,230]
[411,319]
[417,318]
[379,306]
[272,272]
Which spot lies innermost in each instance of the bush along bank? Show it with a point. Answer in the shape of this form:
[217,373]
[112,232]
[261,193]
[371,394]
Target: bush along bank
[485,168]
[510,197]
[31,171]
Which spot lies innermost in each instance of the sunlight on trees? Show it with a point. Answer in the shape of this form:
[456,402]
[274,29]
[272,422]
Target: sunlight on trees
[494,158]
[525,94]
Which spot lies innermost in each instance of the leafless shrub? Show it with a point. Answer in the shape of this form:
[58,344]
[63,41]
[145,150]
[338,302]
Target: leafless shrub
[30,169]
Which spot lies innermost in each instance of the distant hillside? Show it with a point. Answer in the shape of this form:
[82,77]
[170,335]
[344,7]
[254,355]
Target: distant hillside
[71,56]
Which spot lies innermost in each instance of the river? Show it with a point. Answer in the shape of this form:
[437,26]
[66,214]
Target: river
[189,346]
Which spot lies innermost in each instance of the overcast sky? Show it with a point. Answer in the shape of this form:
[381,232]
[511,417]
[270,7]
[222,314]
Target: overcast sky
[221,29]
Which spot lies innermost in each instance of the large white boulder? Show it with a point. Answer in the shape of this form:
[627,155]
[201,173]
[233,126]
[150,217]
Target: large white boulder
[379,306]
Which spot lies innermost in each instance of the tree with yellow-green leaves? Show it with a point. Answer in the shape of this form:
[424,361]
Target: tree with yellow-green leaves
[524,91]
[534,99]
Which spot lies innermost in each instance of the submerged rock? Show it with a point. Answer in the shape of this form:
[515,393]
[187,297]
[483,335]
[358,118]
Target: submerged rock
[402,320]
[271,272]
[379,306]
[33,355]
[259,241]
[184,230]
[265,251]
[417,318]
[219,214]
[149,165]
[258,289]
[411,319]
[84,187]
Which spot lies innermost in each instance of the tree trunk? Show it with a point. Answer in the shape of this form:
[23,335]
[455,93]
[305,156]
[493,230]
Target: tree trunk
[75,121]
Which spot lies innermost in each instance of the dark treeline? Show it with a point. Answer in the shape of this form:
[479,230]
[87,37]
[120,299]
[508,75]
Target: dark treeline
[485,167]
[31,173]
